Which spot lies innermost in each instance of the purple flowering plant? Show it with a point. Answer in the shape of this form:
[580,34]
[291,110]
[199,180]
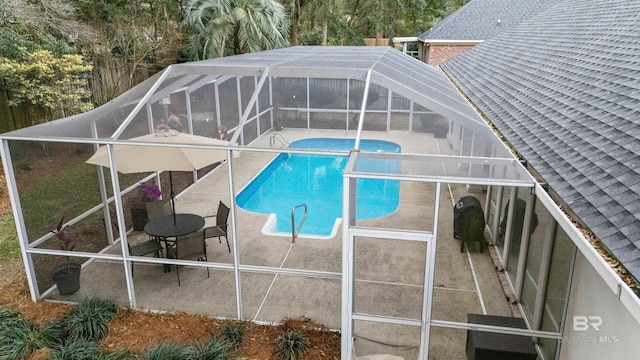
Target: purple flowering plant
[146,193]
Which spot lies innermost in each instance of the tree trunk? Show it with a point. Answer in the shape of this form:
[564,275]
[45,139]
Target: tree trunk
[295,21]
[325,30]
[354,10]
[237,49]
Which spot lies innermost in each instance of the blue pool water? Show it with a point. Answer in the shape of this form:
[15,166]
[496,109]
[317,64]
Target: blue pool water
[316,180]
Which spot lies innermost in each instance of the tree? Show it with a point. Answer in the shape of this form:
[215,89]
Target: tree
[54,18]
[323,11]
[295,10]
[348,22]
[134,38]
[54,83]
[223,27]
[381,18]
[326,22]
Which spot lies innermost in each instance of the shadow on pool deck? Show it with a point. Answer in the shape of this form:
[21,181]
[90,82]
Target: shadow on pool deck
[389,273]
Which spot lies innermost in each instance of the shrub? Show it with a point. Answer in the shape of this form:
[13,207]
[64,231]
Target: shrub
[8,315]
[291,344]
[90,319]
[233,333]
[19,337]
[357,94]
[167,351]
[77,349]
[119,355]
[24,165]
[216,349]
[296,96]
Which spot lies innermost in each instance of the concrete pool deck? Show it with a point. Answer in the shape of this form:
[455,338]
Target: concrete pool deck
[389,274]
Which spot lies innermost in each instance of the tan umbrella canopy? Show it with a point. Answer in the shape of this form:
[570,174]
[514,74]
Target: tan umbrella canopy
[135,159]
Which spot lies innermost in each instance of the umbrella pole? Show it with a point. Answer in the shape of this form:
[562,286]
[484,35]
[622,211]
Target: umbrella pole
[173,205]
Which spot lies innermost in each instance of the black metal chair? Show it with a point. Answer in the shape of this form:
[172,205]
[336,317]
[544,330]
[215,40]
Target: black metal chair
[220,229]
[190,247]
[144,248]
[157,208]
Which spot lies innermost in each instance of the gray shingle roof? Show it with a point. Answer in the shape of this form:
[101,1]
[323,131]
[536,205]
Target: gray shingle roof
[564,89]
[482,19]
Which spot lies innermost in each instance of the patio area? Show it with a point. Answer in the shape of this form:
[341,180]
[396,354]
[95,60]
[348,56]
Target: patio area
[389,274]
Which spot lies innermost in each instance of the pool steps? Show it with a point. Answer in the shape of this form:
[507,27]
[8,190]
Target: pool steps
[271,228]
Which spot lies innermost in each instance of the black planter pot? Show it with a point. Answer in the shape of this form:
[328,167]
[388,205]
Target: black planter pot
[67,278]
[139,218]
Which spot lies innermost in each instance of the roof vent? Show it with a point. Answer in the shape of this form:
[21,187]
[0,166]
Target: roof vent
[498,23]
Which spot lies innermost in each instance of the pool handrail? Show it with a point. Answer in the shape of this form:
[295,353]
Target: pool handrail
[294,231]
[280,138]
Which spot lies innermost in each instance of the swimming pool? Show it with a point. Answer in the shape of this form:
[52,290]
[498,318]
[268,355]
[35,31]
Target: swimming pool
[316,180]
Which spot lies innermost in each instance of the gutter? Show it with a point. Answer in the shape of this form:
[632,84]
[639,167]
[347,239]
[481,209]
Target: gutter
[450,42]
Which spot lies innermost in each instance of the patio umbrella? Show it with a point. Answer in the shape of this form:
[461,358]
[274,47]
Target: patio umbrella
[135,159]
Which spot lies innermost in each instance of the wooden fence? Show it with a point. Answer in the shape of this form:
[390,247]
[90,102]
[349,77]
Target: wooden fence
[12,117]
[112,76]
[381,42]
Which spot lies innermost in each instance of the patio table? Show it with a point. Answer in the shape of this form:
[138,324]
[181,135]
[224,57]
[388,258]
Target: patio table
[164,227]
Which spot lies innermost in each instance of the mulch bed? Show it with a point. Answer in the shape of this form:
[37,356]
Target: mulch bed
[138,330]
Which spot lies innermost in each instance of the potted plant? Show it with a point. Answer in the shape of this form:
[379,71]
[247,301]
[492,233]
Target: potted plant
[66,275]
[137,204]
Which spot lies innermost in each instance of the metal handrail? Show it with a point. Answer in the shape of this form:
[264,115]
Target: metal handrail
[294,231]
[279,137]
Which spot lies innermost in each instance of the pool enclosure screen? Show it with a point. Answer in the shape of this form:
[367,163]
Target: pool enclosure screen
[242,99]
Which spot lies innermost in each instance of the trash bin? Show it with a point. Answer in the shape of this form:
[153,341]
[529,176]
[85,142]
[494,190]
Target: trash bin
[468,221]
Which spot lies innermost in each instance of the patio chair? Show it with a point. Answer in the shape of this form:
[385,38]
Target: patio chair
[158,208]
[151,246]
[220,229]
[144,248]
[190,247]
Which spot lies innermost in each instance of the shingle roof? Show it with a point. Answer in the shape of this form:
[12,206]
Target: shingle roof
[564,90]
[482,19]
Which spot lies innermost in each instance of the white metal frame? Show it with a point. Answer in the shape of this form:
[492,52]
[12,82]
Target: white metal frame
[351,232]
[613,281]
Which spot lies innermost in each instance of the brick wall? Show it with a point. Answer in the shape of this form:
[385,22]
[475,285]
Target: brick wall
[436,54]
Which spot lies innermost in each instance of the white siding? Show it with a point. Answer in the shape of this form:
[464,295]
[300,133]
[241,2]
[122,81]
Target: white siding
[618,333]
